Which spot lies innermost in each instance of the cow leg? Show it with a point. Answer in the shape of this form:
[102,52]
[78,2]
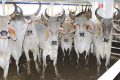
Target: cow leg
[44,66]
[107,60]
[6,71]
[39,56]
[35,60]
[87,59]
[98,63]
[63,54]
[77,55]
[69,55]
[55,66]
[28,62]
[17,64]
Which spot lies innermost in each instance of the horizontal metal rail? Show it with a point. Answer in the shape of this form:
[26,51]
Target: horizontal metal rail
[115,47]
[116,41]
[46,3]
[115,54]
[116,34]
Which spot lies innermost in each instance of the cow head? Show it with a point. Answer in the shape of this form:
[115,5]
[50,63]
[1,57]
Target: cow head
[6,29]
[67,35]
[106,24]
[53,24]
[79,21]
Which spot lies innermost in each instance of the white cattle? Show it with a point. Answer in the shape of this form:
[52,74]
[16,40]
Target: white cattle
[84,33]
[103,38]
[20,23]
[31,42]
[102,49]
[83,38]
[7,32]
[66,38]
[48,37]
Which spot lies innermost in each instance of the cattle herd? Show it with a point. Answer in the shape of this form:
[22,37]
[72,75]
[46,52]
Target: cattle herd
[20,33]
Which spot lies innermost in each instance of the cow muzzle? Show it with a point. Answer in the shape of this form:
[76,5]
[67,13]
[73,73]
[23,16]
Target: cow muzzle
[4,35]
[29,32]
[54,42]
[66,40]
[82,34]
[105,40]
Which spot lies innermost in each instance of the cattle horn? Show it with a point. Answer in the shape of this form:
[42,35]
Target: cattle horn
[43,19]
[14,13]
[37,12]
[63,14]
[71,14]
[116,16]
[62,17]
[82,8]
[46,13]
[85,8]
[99,17]
[16,9]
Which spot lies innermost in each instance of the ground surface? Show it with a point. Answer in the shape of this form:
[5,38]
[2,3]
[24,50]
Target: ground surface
[67,71]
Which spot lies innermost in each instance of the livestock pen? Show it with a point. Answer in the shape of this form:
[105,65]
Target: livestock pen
[69,68]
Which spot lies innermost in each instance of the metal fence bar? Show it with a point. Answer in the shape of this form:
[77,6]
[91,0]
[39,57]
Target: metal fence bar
[115,47]
[45,3]
[111,73]
[116,34]
[116,41]
[115,54]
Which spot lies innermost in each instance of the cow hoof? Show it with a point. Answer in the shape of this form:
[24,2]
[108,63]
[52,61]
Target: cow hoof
[38,70]
[86,69]
[19,75]
[28,72]
[58,76]
[42,78]
[98,74]
[77,66]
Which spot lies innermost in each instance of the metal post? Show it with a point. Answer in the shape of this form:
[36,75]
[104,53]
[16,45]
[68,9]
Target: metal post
[108,8]
[3,7]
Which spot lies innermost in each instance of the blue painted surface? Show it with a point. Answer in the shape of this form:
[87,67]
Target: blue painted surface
[45,3]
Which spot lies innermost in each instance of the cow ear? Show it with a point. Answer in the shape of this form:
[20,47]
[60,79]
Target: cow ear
[75,25]
[88,28]
[61,30]
[12,32]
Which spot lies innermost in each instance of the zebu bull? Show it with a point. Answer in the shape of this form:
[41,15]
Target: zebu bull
[83,34]
[102,39]
[66,38]
[48,36]
[31,42]
[20,23]
[7,32]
